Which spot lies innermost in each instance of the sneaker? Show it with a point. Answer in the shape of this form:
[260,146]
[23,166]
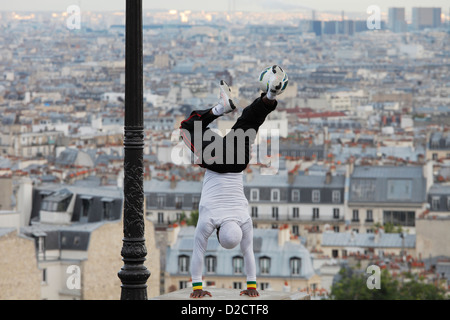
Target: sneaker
[225,100]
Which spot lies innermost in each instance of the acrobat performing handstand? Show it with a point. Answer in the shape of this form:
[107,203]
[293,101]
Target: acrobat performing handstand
[223,206]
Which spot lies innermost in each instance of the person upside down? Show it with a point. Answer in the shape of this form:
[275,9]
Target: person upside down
[223,206]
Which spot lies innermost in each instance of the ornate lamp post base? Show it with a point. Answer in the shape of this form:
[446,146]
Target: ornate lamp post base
[134,274]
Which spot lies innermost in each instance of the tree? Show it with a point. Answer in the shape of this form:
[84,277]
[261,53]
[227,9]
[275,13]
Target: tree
[353,286]
[193,218]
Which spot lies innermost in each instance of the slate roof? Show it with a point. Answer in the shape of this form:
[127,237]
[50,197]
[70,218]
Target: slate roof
[388,184]
[367,240]
[265,243]
[163,186]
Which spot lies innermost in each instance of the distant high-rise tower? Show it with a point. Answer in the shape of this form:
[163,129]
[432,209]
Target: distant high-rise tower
[231,6]
[396,20]
[426,18]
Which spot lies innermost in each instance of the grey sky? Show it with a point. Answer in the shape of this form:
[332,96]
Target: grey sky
[208,5]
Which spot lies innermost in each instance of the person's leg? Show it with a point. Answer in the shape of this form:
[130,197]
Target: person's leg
[255,114]
[232,152]
[238,142]
[194,129]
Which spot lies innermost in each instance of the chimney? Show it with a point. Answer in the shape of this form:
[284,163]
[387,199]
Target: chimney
[328,178]
[249,174]
[292,173]
[428,174]
[173,182]
[377,236]
[284,235]
[172,234]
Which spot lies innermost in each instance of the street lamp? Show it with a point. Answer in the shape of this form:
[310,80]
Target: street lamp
[134,274]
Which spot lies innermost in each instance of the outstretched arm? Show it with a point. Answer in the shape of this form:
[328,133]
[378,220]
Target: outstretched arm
[202,234]
[249,259]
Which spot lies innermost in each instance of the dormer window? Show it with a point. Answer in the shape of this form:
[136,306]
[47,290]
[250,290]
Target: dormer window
[57,202]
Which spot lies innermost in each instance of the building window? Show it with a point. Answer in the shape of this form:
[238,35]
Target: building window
[254,195]
[182,284]
[295,195]
[362,189]
[161,201]
[295,230]
[85,207]
[195,202]
[295,266]
[336,228]
[399,189]
[160,217]
[369,216]
[336,213]
[402,218]
[275,213]
[275,195]
[237,285]
[179,201]
[238,264]
[336,196]
[435,203]
[448,203]
[183,264]
[264,286]
[295,212]
[211,262]
[254,212]
[41,244]
[335,253]
[316,196]
[355,216]
[315,213]
[107,210]
[44,275]
[264,265]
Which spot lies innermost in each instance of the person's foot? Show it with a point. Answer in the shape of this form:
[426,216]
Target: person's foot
[225,104]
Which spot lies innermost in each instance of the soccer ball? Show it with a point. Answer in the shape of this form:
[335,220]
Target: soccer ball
[273,76]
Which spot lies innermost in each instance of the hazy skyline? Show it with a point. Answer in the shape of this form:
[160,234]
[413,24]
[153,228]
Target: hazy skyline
[240,5]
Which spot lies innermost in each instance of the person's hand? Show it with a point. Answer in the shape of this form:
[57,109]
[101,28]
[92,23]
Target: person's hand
[250,292]
[200,293]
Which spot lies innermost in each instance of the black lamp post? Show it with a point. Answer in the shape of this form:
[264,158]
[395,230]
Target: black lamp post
[134,274]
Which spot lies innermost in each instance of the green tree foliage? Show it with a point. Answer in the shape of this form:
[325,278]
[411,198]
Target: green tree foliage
[353,286]
[193,218]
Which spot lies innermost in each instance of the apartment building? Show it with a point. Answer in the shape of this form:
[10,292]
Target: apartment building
[438,146]
[20,279]
[169,201]
[77,234]
[280,262]
[386,194]
[345,244]
[307,203]
[21,142]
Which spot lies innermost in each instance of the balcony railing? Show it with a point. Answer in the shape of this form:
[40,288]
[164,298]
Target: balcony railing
[301,218]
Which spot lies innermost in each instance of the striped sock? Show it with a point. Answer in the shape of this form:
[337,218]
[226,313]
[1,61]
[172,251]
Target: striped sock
[251,284]
[197,286]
